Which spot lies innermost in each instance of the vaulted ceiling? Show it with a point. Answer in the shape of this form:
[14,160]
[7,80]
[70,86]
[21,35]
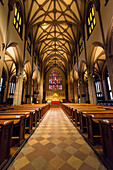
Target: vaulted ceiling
[54,25]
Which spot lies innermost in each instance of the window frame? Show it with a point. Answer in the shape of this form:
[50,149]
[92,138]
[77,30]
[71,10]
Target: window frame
[88,15]
[18,5]
[57,85]
[12,87]
[80,44]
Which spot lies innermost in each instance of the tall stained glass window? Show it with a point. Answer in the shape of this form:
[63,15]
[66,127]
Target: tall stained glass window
[109,88]
[80,43]
[98,89]
[18,21]
[12,87]
[1,83]
[91,19]
[55,80]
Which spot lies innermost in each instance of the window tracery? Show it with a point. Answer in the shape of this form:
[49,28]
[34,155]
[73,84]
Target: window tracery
[18,20]
[91,22]
[55,80]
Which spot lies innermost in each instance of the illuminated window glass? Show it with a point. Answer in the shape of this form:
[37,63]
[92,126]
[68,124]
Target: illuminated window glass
[91,19]
[55,80]
[98,89]
[80,44]
[12,87]
[29,44]
[109,88]
[1,82]
[18,21]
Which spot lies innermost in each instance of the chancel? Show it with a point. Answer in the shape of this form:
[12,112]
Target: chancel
[56,84]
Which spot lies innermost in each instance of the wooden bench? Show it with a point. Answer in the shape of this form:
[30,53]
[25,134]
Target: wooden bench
[106,130]
[18,126]
[29,118]
[93,126]
[6,128]
[82,114]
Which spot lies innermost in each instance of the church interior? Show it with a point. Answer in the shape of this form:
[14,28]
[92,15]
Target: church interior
[56,84]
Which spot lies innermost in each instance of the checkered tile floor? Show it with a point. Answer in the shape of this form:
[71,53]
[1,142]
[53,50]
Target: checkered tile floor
[56,145]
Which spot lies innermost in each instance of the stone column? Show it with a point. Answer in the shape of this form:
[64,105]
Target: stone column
[29,84]
[5,92]
[2,57]
[105,89]
[8,88]
[32,88]
[76,91]
[18,90]
[41,84]
[92,90]
[102,88]
[68,80]
[109,61]
[24,92]
[82,91]
[86,89]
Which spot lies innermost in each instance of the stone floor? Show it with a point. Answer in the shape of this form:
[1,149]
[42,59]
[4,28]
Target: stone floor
[56,144]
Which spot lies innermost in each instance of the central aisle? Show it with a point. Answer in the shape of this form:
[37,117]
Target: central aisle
[56,144]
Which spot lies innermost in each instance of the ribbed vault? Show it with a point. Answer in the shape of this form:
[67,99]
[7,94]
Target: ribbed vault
[54,25]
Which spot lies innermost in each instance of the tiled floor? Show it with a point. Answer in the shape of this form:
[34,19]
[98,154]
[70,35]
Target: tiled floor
[56,144]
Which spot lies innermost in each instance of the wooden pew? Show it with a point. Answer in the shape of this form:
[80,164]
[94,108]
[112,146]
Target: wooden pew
[16,118]
[75,115]
[18,126]
[29,117]
[6,128]
[93,126]
[106,131]
[82,114]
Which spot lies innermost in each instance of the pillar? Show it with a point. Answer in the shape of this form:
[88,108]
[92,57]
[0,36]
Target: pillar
[82,91]
[76,91]
[18,90]
[92,90]
[109,61]
[105,89]
[41,84]
[29,84]
[68,80]
[2,57]
[5,92]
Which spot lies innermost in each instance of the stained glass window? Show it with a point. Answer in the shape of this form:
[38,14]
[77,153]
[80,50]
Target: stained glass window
[55,80]
[18,21]
[91,19]
[80,44]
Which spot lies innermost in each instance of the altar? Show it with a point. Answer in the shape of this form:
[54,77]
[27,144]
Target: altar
[55,102]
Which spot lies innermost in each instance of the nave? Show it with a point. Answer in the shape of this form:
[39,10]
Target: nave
[56,144]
